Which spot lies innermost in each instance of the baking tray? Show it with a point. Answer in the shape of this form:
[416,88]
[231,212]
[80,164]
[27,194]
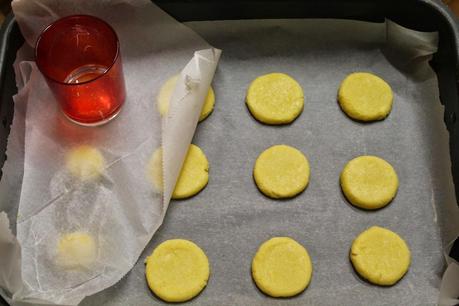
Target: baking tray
[419,15]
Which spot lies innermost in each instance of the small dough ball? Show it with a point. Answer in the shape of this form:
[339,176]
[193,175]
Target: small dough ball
[365,97]
[275,98]
[194,174]
[155,169]
[369,182]
[380,256]
[177,270]
[281,172]
[165,95]
[281,267]
[85,162]
[76,250]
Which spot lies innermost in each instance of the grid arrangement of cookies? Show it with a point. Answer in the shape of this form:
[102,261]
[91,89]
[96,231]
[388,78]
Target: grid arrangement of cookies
[178,269]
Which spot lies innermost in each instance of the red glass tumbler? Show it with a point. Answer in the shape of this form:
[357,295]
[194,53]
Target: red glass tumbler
[80,58]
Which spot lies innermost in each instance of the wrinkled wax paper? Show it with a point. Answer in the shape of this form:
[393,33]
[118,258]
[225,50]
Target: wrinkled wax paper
[123,209]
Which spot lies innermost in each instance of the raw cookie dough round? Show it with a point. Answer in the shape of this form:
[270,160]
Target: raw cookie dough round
[281,172]
[369,182]
[275,98]
[177,270]
[85,162]
[365,97]
[76,250]
[380,256]
[165,95]
[208,105]
[155,169]
[194,174]
[281,267]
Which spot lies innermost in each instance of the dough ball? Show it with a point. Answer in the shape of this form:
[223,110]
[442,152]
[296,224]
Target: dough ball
[369,182]
[85,162]
[177,270]
[281,267]
[155,169]
[76,250]
[194,174]
[365,97]
[165,95]
[281,172]
[275,98]
[380,256]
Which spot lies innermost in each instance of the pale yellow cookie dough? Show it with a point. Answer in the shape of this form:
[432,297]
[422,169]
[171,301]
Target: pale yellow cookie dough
[369,182]
[208,105]
[85,162]
[380,256]
[281,267]
[365,97]
[76,250]
[194,174]
[165,95]
[281,172]
[155,169]
[275,98]
[177,270]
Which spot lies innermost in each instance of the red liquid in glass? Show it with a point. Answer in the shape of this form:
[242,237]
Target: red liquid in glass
[79,56]
[85,73]
[96,94]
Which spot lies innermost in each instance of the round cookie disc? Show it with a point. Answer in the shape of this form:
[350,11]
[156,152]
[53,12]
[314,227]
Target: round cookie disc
[208,105]
[275,98]
[281,267]
[85,162]
[369,182]
[365,97]
[177,270]
[165,94]
[194,174]
[281,172]
[380,256]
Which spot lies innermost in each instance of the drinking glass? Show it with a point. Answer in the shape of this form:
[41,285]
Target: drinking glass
[80,59]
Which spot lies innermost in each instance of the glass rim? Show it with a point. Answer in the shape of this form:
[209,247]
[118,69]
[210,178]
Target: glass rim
[53,24]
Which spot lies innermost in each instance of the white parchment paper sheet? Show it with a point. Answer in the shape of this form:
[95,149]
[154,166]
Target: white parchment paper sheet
[229,219]
[122,210]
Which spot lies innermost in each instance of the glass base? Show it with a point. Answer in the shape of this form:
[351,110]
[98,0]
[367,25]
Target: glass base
[97,123]
[85,73]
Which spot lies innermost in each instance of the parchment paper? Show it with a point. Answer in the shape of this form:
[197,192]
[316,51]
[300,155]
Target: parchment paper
[229,219]
[449,289]
[122,210]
